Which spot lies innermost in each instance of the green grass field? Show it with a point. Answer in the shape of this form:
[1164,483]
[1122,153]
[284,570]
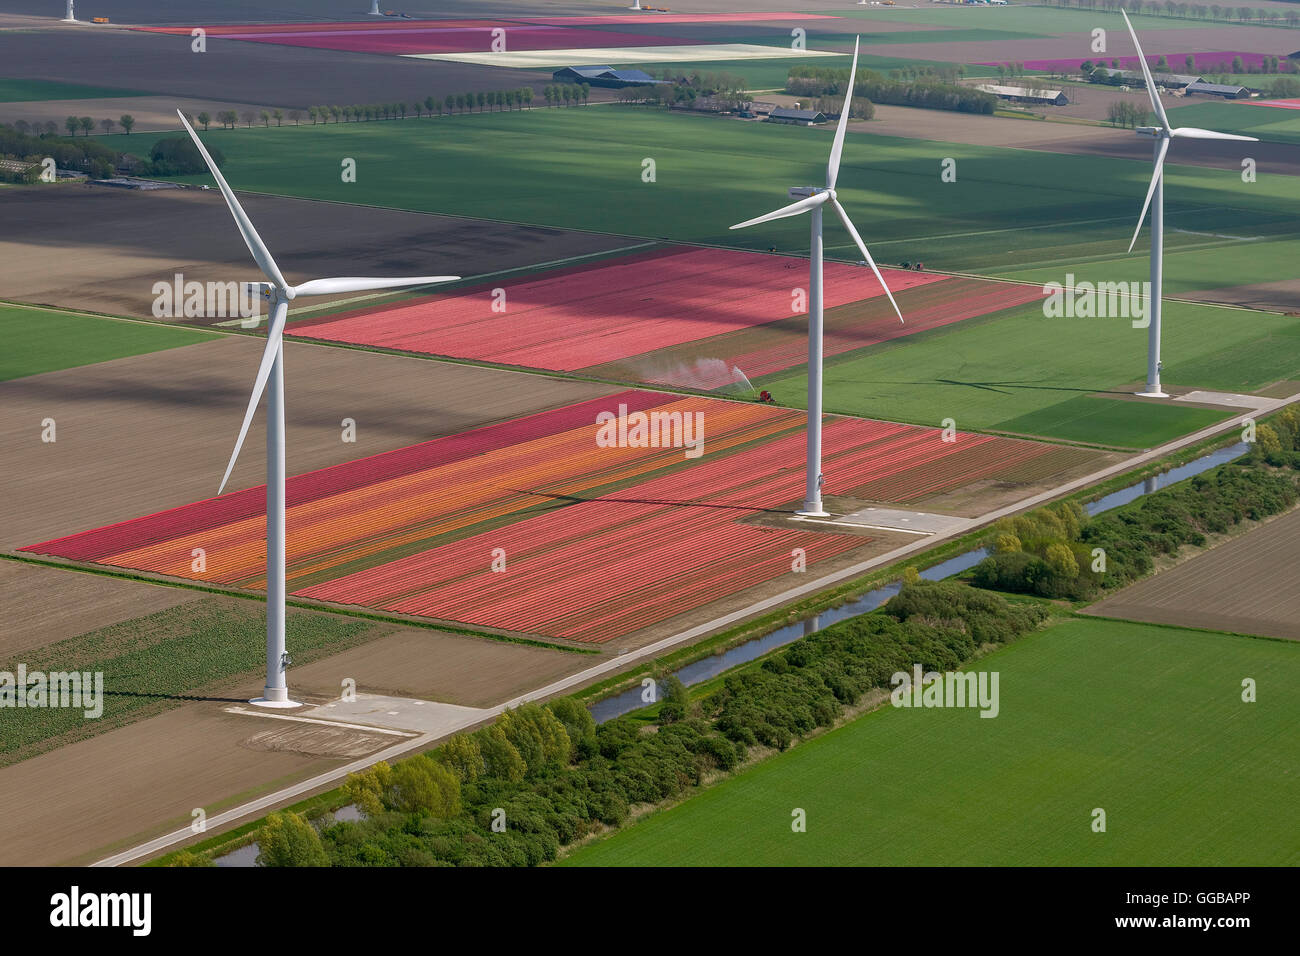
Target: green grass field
[158,661]
[1021,372]
[581,168]
[40,340]
[17,90]
[1271,123]
[1144,722]
[1203,257]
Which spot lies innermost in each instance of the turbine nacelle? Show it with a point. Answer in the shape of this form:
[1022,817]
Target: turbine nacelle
[809,198]
[1164,133]
[282,293]
[805,191]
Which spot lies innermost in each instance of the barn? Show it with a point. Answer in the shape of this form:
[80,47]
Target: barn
[1170,81]
[605,76]
[1228,92]
[796,117]
[1025,94]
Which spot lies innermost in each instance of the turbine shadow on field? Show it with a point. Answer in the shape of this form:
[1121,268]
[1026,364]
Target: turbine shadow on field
[181,697]
[203,391]
[563,501]
[1004,388]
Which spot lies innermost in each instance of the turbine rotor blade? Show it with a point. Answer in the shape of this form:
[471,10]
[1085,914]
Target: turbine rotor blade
[1193,132]
[1162,149]
[837,148]
[803,205]
[261,255]
[1146,72]
[862,246]
[360,284]
[274,341]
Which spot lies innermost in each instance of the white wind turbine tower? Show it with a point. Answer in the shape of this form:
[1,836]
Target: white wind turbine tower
[276,693]
[1162,134]
[71,17]
[374,9]
[813,200]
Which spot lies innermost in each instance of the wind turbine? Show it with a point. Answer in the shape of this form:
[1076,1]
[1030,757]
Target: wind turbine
[71,17]
[812,199]
[276,693]
[1162,134]
[374,9]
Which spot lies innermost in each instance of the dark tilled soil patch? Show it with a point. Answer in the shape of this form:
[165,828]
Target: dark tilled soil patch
[1248,585]
[125,241]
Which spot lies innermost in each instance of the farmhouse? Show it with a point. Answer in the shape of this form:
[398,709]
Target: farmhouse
[1025,94]
[782,114]
[605,76]
[1224,90]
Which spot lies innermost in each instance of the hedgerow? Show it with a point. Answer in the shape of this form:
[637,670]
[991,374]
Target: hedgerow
[515,793]
[1058,552]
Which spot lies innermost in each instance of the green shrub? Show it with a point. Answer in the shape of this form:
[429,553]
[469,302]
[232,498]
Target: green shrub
[289,839]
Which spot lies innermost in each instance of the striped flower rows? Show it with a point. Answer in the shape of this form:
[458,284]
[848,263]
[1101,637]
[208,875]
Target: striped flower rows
[622,308]
[631,559]
[603,568]
[371,511]
[598,542]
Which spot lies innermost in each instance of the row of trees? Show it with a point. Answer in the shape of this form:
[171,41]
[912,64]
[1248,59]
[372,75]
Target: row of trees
[862,107]
[566,94]
[717,92]
[1125,114]
[521,98]
[85,125]
[941,72]
[1190,11]
[926,92]
[1059,552]
[514,793]
[687,95]
[1097,72]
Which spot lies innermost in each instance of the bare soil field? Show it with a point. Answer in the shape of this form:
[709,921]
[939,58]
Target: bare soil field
[42,605]
[150,432]
[240,72]
[285,11]
[418,662]
[1284,295]
[70,805]
[1277,158]
[143,237]
[1249,585]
